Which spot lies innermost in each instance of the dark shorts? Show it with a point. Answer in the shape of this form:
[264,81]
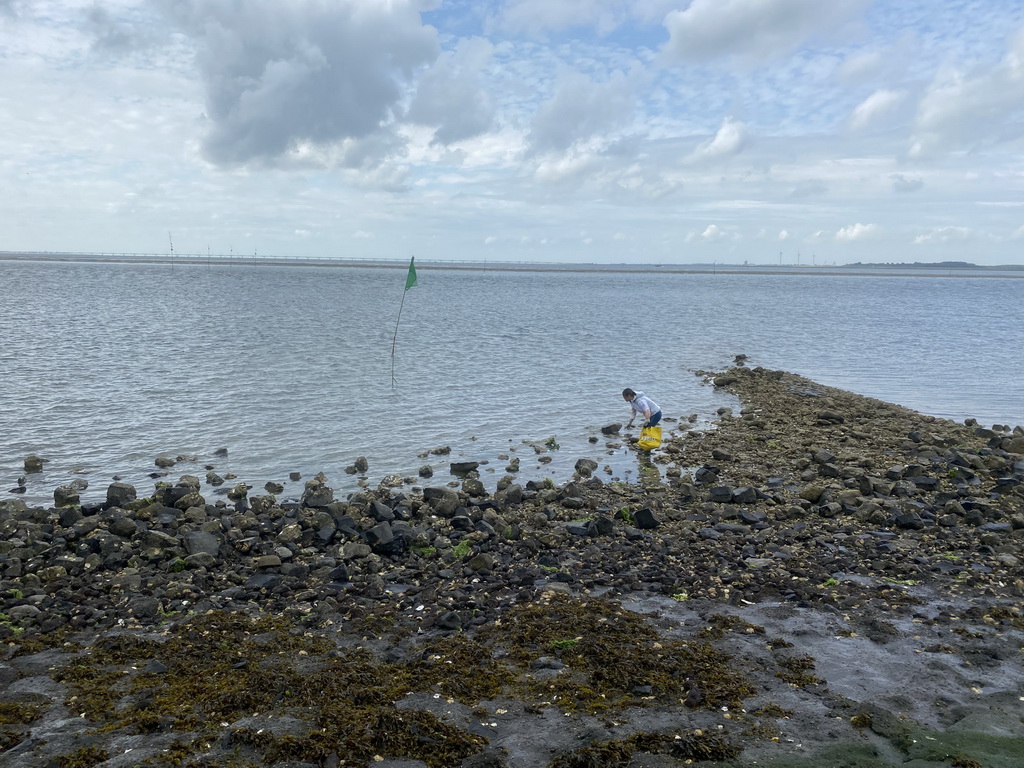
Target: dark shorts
[655,418]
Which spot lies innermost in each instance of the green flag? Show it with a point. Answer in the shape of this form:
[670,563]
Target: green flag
[410,281]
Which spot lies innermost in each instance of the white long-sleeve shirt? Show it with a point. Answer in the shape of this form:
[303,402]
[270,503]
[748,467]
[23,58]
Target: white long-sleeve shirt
[642,403]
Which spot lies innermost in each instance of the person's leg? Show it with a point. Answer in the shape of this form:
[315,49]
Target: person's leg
[655,418]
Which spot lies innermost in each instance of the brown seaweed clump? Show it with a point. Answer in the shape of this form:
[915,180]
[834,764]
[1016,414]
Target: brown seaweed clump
[614,658]
[618,753]
[219,669]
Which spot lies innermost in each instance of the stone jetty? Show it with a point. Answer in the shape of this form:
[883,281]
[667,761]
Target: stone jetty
[819,579]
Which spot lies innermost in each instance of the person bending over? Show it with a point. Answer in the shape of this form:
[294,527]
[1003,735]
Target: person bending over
[642,406]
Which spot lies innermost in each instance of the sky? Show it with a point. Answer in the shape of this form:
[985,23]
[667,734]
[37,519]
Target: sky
[583,131]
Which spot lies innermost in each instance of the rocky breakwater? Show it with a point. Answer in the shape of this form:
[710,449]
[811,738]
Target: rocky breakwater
[712,612]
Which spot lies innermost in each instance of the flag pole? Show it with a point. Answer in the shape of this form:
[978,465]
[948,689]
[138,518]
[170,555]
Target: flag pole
[410,281]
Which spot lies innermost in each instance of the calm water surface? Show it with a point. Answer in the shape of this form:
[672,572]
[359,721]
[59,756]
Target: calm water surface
[107,366]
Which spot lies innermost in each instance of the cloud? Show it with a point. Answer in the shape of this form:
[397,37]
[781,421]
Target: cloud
[961,111]
[875,107]
[810,188]
[712,233]
[902,184]
[581,108]
[943,235]
[863,65]
[278,75]
[109,34]
[568,168]
[729,140]
[751,30]
[536,17]
[450,96]
[857,232]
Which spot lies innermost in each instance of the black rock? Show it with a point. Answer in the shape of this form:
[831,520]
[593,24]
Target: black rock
[645,519]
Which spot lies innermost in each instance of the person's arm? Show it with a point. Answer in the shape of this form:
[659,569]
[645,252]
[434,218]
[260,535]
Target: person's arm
[647,416]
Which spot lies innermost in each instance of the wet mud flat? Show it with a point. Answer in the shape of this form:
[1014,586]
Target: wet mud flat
[819,580]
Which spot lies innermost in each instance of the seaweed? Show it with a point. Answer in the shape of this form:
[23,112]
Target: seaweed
[220,668]
[85,757]
[13,713]
[618,753]
[617,658]
[796,672]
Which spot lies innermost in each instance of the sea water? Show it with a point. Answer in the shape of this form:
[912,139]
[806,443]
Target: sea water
[104,367]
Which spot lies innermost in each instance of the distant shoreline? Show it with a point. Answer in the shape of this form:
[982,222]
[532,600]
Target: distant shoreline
[940,269]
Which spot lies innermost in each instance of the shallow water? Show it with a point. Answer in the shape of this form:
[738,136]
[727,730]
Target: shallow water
[106,366]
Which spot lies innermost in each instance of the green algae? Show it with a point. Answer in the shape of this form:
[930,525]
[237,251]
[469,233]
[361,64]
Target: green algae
[933,750]
[918,748]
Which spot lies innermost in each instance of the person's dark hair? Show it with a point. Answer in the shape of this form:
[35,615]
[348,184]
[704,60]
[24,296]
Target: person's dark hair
[627,392]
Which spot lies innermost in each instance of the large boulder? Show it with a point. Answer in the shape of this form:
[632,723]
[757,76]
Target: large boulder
[317,492]
[443,501]
[65,496]
[197,542]
[120,494]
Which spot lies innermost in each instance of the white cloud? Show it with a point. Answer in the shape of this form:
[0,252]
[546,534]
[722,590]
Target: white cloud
[862,66]
[111,34]
[857,232]
[943,235]
[581,109]
[729,140]
[282,74]
[450,96]
[875,107]
[964,111]
[295,125]
[560,169]
[905,184]
[810,188]
[536,17]
[751,30]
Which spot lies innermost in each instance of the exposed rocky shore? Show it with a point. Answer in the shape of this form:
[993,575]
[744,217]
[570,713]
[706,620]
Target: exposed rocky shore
[822,579]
